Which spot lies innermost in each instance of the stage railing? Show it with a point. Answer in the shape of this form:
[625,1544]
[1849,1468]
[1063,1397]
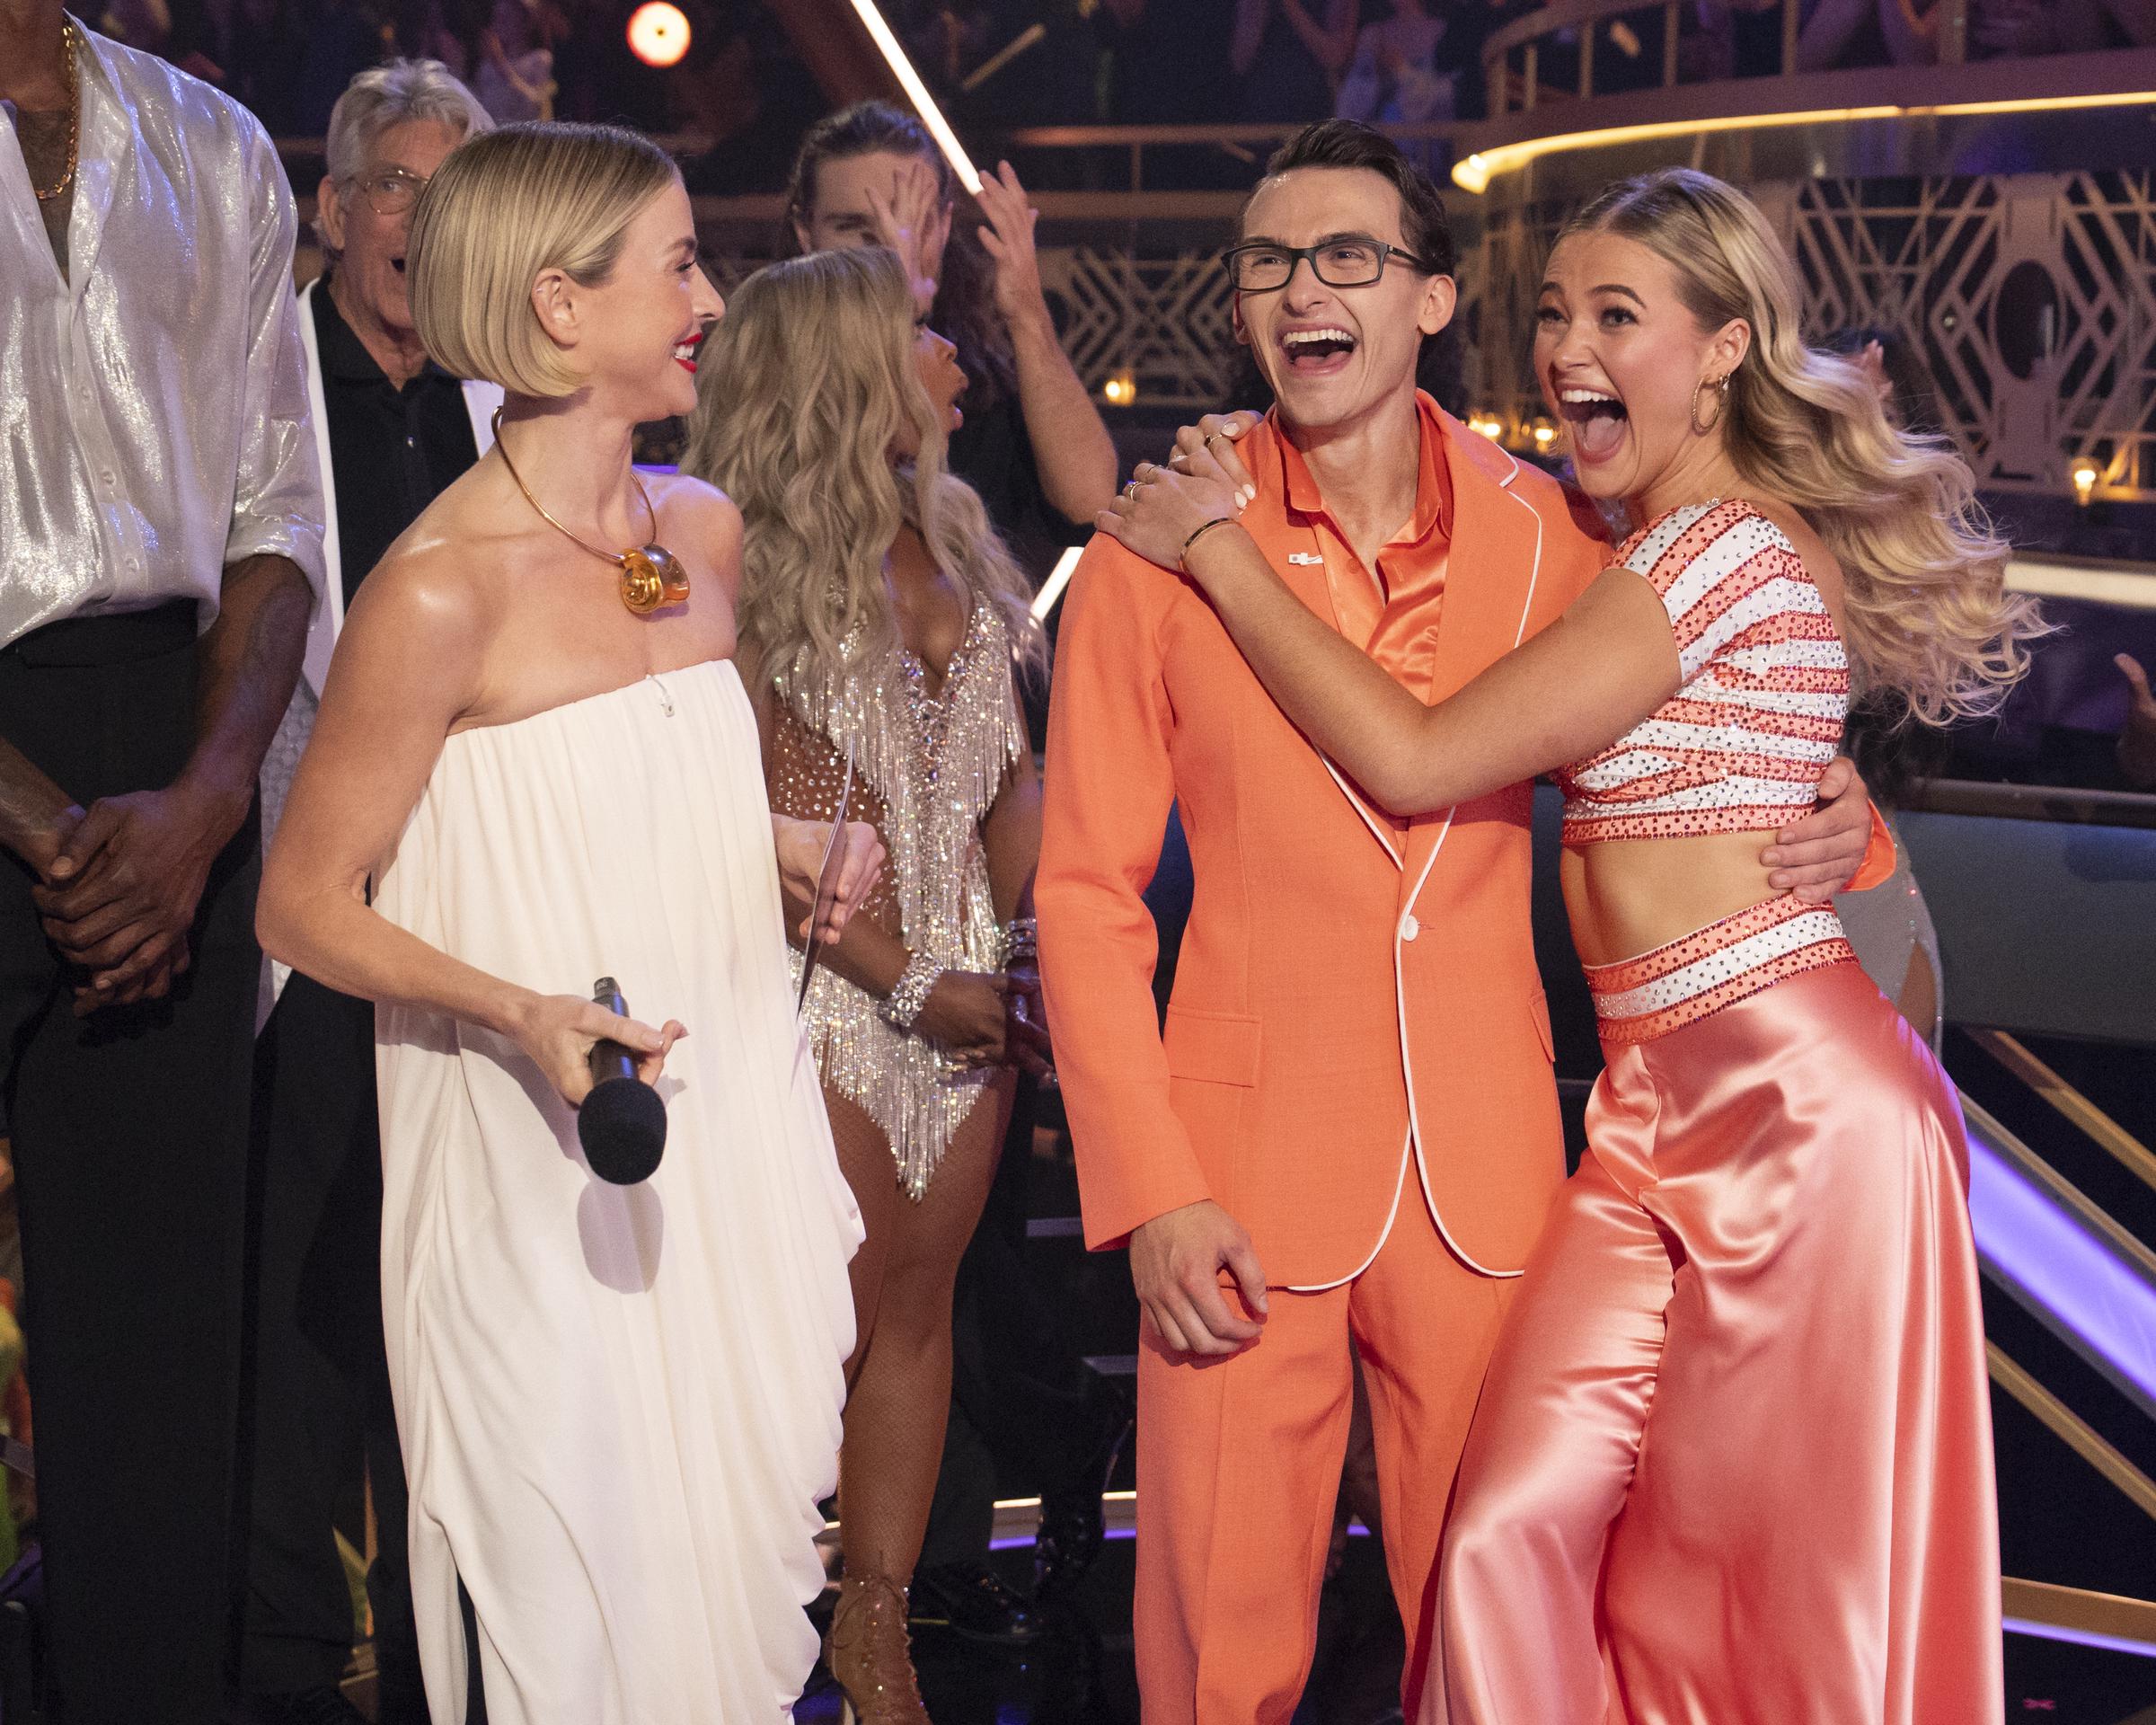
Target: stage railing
[1579,24]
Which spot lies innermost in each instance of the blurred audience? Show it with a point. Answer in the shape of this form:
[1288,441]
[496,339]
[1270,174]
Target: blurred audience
[1288,55]
[1399,74]
[516,78]
[744,94]
[1151,46]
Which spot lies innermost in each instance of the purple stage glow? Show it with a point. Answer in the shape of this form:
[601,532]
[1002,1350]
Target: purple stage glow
[2080,1638]
[2073,1279]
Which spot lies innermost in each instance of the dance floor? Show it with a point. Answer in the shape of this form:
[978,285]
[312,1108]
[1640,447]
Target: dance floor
[1079,1671]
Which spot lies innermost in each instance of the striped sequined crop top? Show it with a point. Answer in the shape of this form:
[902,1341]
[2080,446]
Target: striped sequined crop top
[1759,712]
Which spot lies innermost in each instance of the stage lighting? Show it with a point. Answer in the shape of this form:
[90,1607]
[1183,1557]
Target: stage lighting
[1059,578]
[916,92]
[1474,173]
[2084,475]
[1120,390]
[658,33]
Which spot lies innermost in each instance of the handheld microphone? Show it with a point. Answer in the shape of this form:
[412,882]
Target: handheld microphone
[623,1123]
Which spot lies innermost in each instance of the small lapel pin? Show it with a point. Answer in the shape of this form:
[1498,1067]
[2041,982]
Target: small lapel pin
[1305,557]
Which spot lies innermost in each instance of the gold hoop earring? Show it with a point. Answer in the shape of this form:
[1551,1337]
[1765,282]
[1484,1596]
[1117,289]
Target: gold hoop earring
[1721,386]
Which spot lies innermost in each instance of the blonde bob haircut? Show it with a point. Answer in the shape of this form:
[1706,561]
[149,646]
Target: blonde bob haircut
[502,209]
[1933,635]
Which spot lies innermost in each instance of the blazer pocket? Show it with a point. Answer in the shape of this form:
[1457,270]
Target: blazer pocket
[1538,1010]
[1211,1048]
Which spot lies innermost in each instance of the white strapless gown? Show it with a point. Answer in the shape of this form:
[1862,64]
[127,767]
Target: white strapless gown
[619,1406]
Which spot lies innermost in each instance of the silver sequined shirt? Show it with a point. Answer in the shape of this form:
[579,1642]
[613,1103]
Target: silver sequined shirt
[154,403]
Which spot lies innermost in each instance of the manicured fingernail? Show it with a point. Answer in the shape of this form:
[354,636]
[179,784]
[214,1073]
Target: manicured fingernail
[1249,495]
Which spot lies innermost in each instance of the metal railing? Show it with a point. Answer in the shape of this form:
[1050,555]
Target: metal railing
[2048,803]
[1579,22]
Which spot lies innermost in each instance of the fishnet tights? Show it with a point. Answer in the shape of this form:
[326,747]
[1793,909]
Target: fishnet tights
[898,1380]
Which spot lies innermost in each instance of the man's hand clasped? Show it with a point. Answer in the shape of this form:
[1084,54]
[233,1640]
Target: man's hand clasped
[1175,1264]
[118,898]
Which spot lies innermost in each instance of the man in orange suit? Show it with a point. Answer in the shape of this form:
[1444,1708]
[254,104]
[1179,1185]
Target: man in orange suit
[1345,1141]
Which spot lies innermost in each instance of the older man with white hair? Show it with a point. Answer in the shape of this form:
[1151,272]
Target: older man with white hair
[393,430]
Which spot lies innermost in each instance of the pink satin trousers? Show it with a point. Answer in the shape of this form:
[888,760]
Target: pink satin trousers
[1732,1464]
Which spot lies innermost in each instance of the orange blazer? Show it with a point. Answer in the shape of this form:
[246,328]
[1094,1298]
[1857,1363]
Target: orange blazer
[1352,1001]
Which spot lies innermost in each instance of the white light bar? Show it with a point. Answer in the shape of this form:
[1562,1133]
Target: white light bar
[916,93]
[2133,585]
[1059,578]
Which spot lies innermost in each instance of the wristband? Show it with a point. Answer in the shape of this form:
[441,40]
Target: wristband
[910,993]
[1183,557]
[1021,938]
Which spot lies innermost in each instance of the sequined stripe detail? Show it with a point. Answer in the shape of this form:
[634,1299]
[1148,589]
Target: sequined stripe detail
[1678,822]
[1648,1027]
[1765,688]
[1672,965]
[1639,998]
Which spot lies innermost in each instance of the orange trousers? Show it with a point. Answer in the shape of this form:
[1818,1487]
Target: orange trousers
[1733,1466]
[1239,1465]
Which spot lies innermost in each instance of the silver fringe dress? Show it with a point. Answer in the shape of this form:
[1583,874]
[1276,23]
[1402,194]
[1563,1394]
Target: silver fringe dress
[935,766]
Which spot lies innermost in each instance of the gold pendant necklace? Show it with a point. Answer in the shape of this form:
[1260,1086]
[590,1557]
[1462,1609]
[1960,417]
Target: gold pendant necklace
[75,115]
[651,575]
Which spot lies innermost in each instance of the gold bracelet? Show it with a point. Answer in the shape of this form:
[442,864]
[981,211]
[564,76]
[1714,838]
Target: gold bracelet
[1183,557]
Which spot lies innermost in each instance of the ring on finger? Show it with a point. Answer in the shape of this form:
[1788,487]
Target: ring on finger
[1130,491]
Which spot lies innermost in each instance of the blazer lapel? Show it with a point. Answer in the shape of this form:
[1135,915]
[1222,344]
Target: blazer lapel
[1496,557]
[1284,537]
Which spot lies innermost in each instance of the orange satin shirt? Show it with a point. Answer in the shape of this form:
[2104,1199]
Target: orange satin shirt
[1392,613]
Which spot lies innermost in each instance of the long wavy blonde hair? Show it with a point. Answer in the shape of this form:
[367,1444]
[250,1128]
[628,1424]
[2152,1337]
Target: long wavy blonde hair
[1932,631]
[808,385]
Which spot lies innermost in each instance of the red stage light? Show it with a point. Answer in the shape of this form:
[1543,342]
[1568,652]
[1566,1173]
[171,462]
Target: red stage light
[658,33]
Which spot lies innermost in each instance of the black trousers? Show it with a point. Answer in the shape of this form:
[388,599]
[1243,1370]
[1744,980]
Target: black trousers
[129,1131]
[318,1416]
[1019,1388]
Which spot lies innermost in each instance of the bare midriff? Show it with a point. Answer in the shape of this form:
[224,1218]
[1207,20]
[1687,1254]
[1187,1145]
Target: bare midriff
[1627,896]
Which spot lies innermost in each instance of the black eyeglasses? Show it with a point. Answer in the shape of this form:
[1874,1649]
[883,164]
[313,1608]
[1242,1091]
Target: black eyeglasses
[392,192]
[1351,261]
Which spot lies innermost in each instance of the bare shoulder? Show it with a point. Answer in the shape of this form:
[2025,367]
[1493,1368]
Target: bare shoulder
[426,610]
[702,525]
[694,502]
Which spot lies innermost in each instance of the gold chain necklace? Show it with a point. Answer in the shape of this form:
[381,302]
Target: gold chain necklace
[75,113]
[651,575]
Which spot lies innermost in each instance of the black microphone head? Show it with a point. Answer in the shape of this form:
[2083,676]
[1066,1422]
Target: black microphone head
[623,1126]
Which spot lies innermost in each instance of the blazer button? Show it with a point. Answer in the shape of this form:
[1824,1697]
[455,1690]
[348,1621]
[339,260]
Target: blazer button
[1408,927]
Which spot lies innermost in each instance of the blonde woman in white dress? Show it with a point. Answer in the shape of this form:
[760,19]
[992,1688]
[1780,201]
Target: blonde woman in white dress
[536,764]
